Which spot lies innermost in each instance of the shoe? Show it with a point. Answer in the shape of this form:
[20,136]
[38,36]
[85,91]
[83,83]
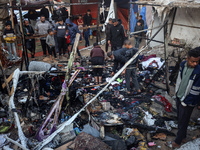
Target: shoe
[174,145]
[44,55]
[184,141]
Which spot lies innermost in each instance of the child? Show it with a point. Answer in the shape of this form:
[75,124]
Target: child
[138,36]
[86,36]
[80,25]
[131,69]
[51,43]
[9,37]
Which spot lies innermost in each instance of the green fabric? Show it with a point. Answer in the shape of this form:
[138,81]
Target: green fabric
[187,72]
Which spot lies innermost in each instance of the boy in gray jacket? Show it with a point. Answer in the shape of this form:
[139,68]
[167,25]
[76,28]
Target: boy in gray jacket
[51,43]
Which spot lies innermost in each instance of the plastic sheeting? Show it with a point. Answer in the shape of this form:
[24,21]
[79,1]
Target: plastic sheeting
[133,19]
[188,17]
[193,145]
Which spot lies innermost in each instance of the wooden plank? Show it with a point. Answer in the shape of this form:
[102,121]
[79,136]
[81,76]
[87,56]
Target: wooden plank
[8,80]
[4,76]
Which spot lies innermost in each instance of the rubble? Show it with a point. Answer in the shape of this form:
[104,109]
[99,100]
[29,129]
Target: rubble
[98,116]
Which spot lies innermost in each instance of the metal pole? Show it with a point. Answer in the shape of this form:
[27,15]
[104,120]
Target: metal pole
[98,21]
[129,20]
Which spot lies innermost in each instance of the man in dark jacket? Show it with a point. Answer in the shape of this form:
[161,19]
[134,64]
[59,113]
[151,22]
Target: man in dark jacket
[88,18]
[29,43]
[138,36]
[72,31]
[108,26]
[117,35]
[118,57]
[188,93]
[141,20]
[44,12]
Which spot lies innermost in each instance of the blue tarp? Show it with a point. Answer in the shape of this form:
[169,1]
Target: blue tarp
[133,20]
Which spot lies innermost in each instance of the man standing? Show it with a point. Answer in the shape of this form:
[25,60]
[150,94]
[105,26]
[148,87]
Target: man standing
[138,36]
[30,43]
[60,30]
[41,28]
[88,18]
[117,36]
[187,93]
[141,20]
[108,26]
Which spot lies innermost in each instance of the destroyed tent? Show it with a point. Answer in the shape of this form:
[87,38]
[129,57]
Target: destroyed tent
[185,30]
[106,108]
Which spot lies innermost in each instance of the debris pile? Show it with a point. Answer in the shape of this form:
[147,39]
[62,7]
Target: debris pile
[42,117]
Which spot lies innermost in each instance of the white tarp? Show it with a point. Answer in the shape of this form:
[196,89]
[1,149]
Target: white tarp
[111,14]
[188,17]
[184,16]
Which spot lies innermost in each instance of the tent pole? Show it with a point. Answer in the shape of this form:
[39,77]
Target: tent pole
[24,50]
[12,20]
[129,20]
[166,56]
[98,21]
[171,27]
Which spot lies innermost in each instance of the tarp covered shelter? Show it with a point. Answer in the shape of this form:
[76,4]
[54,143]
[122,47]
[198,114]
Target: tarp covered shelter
[186,23]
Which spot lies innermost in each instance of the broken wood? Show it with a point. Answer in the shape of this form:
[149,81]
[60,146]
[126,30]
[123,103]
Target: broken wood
[4,76]
[8,80]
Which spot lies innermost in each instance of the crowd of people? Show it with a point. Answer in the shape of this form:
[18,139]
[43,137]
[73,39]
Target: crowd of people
[64,32]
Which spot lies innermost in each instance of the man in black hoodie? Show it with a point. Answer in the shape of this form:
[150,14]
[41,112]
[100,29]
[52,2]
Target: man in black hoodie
[117,35]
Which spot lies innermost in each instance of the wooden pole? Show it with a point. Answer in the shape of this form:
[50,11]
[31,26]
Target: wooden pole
[69,67]
[98,21]
[12,20]
[24,50]
[5,80]
[166,56]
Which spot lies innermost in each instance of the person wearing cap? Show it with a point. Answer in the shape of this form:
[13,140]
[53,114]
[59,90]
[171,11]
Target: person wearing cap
[117,35]
[108,26]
